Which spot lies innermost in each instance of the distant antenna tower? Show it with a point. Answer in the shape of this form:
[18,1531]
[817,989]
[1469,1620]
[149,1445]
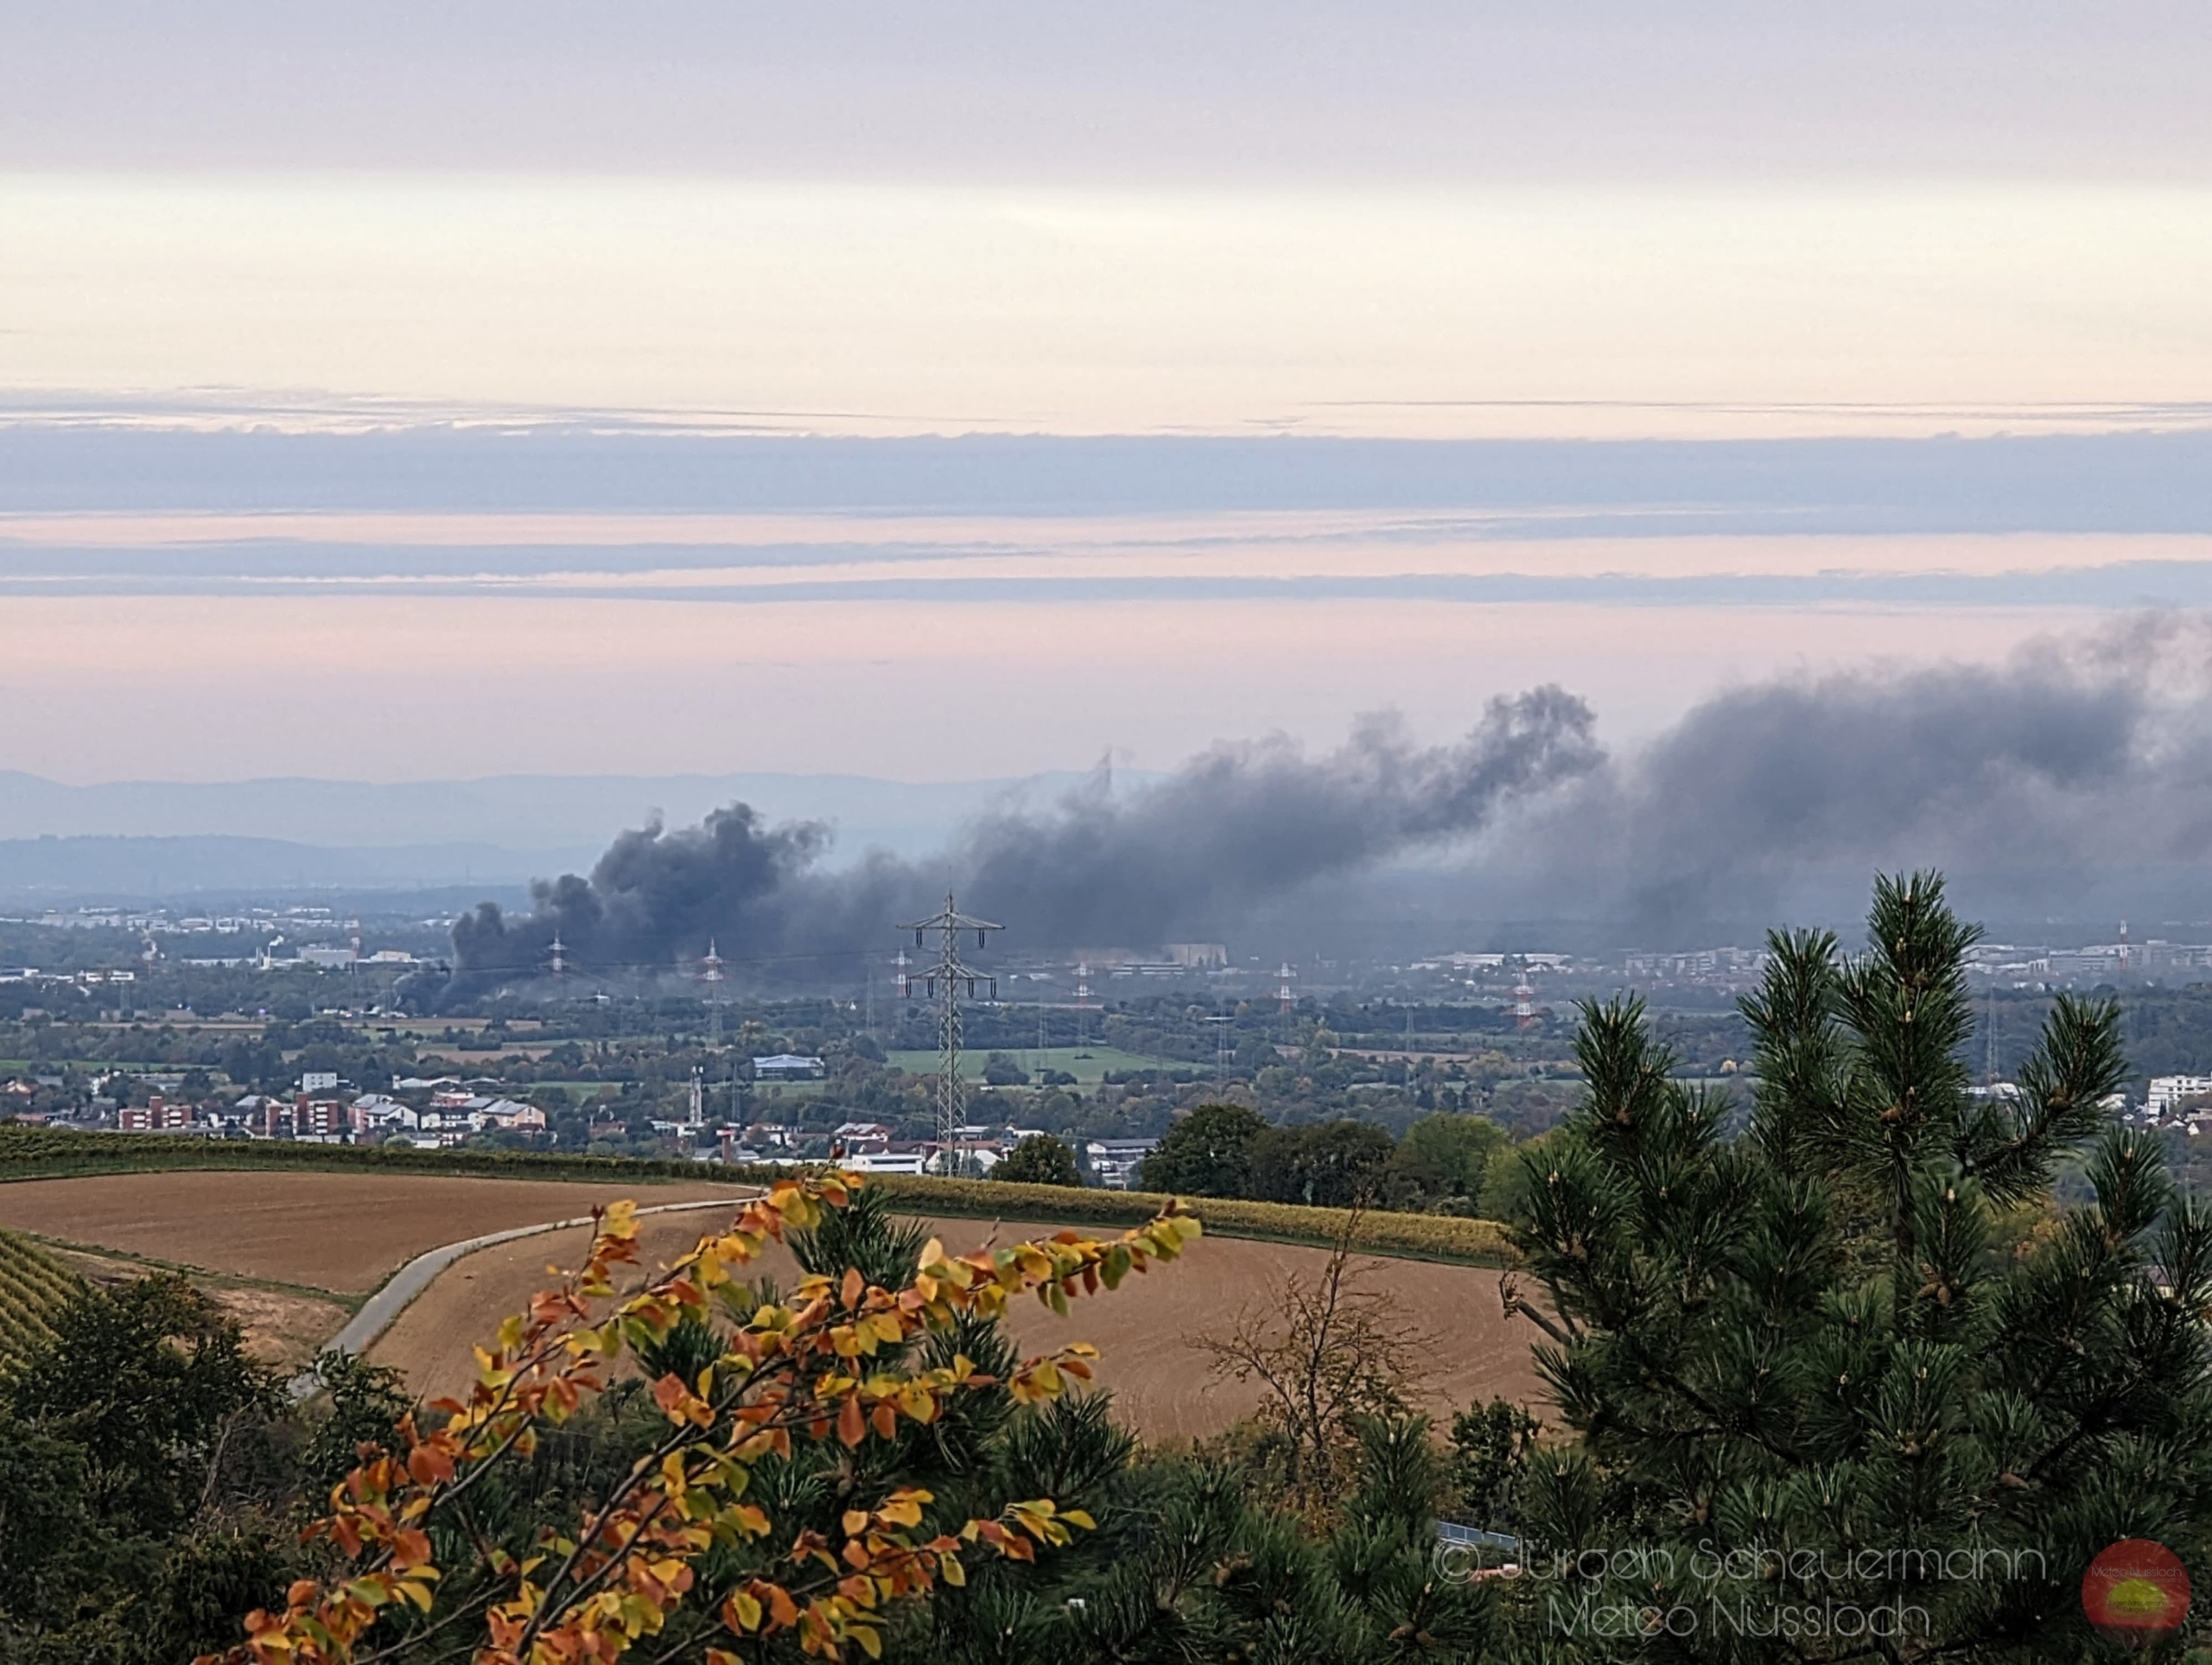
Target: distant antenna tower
[1284,998]
[1082,1001]
[710,973]
[1524,1000]
[698,1096]
[2123,956]
[355,926]
[1221,1049]
[945,982]
[558,965]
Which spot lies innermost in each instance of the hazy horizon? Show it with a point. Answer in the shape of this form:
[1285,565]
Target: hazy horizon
[723,392]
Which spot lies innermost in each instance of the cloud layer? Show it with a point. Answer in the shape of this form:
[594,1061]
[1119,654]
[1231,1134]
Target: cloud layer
[1297,91]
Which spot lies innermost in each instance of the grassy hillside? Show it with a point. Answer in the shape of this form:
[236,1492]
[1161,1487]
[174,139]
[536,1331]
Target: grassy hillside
[33,1285]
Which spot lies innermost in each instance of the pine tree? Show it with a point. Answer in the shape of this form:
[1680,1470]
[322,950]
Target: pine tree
[1816,1392]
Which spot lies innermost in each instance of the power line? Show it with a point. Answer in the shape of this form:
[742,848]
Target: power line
[944,982]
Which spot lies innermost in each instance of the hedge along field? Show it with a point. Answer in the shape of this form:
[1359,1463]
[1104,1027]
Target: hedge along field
[33,1285]
[1402,1237]
[29,1153]
[47,1154]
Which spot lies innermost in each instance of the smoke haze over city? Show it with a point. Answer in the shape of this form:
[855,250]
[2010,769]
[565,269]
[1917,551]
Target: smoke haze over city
[2081,759]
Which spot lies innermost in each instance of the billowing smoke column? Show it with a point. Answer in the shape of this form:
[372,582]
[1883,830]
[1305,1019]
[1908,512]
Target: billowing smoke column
[1232,829]
[653,896]
[2081,759]
[2082,762]
[1243,825]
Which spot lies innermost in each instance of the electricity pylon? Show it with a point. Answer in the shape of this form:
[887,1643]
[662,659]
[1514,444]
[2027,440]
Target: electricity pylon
[946,981]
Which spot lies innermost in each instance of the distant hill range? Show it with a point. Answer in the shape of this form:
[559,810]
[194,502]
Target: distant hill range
[144,838]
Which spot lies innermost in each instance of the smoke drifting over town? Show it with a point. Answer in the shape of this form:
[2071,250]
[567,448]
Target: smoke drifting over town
[1231,829]
[2082,762]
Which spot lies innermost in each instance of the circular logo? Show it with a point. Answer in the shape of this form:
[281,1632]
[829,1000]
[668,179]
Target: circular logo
[2136,1592]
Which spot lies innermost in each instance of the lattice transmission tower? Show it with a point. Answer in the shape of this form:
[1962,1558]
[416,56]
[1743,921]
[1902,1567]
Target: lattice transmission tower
[944,982]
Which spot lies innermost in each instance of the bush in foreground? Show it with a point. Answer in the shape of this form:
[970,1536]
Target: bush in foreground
[776,1501]
[1807,1375]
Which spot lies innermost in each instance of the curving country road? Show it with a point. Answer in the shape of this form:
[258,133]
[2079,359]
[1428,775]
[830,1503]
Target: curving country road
[378,1312]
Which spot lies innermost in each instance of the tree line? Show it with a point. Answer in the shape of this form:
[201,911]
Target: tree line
[1447,1162]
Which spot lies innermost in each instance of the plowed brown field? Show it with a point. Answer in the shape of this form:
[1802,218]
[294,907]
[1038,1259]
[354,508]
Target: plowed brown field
[342,1231]
[350,1231]
[1161,1386]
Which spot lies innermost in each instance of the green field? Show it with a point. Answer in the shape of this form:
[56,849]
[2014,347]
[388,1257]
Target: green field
[1088,1065]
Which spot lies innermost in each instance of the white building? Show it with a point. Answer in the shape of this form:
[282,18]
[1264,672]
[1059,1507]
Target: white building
[788,1066]
[2167,1092]
[1114,1162]
[886,1162]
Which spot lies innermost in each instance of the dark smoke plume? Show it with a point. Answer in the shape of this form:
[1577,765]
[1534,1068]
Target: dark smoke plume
[1232,829]
[2080,761]
[2075,779]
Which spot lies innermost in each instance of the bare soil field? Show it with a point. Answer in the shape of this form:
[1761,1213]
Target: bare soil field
[340,1231]
[347,1232]
[1160,1385]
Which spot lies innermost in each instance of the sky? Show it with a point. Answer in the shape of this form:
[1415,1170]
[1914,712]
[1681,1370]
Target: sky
[1829,260]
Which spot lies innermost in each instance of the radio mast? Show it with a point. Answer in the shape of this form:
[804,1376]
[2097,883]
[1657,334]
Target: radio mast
[944,982]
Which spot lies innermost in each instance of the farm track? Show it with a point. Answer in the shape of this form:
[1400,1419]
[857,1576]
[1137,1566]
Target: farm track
[343,1232]
[1160,1384]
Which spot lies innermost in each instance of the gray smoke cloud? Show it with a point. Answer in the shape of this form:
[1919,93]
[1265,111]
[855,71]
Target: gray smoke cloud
[1238,827]
[2074,778]
[2080,761]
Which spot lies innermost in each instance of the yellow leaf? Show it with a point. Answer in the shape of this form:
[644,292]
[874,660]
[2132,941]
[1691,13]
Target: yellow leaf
[949,1569]
[871,1641]
[747,1609]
